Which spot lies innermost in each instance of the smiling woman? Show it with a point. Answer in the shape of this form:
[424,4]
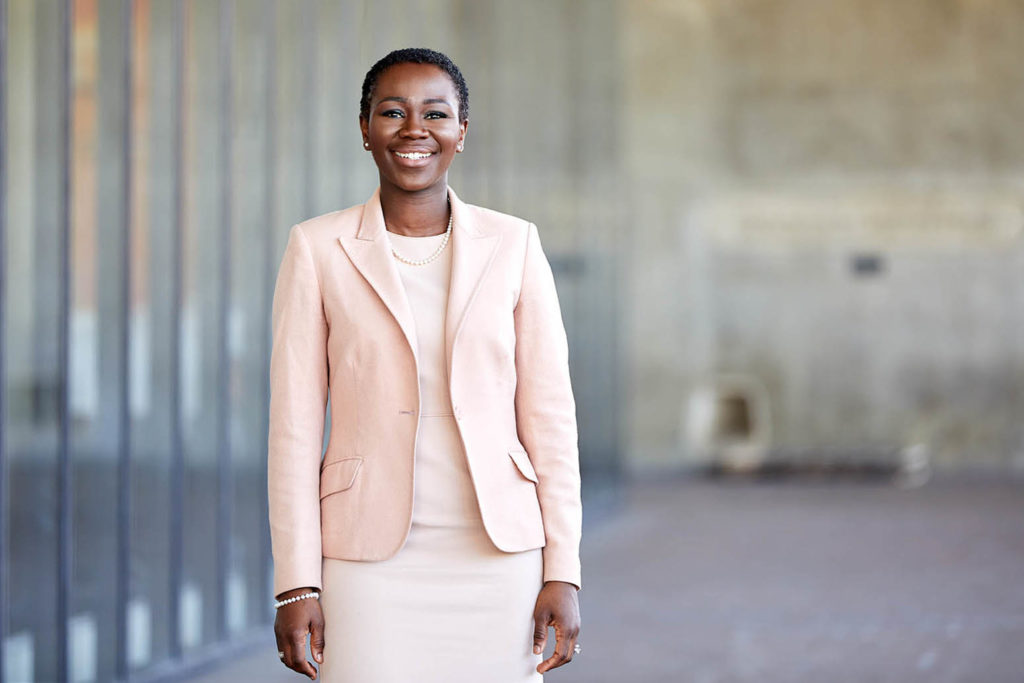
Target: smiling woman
[437,539]
[414,126]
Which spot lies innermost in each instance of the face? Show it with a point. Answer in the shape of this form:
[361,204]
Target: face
[414,130]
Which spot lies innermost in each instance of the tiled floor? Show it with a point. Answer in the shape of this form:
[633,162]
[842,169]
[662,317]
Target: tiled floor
[793,582]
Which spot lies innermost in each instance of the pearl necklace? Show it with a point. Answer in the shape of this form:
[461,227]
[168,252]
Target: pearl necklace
[437,252]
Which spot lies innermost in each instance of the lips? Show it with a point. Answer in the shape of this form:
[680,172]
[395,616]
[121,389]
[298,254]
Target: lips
[413,158]
[413,153]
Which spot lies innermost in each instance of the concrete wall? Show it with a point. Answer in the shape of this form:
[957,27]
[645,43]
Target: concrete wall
[827,205]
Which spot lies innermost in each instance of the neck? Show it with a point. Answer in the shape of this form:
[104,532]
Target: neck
[415,214]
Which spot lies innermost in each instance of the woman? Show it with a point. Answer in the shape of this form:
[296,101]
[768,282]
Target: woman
[443,523]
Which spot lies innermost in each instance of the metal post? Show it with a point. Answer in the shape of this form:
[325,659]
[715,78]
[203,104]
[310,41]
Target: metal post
[64,497]
[177,465]
[309,95]
[124,432]
[269,252]
[224,400]
[3,327]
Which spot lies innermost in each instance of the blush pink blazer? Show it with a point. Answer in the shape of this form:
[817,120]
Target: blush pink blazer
[342,326]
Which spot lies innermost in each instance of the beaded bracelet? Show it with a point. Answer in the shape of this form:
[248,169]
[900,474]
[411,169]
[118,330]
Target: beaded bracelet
[281,603]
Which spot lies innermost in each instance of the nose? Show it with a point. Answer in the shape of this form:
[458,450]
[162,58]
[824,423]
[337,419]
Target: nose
[413,127]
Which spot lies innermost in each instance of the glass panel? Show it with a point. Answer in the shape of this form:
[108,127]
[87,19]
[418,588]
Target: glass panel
[95,342]
[33,156]
[152,333]
[201,311]
[247,588]
[291,121]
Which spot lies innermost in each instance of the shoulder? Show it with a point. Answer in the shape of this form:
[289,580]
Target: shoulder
[326,228]
[512,228]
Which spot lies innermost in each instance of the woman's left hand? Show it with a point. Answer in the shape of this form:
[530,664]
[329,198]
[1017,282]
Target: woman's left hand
[557,606]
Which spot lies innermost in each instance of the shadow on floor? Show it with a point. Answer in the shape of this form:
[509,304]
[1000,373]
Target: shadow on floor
[702,580]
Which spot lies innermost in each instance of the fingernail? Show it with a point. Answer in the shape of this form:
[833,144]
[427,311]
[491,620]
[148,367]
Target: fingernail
[536,649]
[319,657]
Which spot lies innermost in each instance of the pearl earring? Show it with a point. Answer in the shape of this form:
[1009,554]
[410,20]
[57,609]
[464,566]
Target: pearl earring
[366,145]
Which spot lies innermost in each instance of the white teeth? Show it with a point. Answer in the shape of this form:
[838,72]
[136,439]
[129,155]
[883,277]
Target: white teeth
[414,155]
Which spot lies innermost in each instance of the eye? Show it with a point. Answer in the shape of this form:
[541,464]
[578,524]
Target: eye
[436,115]
[392,113]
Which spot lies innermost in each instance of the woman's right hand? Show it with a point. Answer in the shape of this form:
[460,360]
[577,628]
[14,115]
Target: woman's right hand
[292,623]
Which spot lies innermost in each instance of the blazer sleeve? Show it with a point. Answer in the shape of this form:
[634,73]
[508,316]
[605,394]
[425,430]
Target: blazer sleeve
[546,413]
[298,398]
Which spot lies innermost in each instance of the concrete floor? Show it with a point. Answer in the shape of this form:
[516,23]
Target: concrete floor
[793,581]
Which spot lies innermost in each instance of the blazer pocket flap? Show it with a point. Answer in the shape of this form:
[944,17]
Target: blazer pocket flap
[339,476]
[523,464]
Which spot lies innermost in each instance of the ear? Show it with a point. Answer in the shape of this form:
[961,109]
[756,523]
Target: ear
[364,128]
[463,129]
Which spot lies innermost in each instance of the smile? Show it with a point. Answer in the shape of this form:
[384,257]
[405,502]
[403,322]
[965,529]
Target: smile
[414,155]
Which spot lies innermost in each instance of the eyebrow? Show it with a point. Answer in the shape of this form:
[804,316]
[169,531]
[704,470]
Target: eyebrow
[429,100]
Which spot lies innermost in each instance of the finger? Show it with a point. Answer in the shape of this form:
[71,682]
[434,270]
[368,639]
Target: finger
[316,641]
[574,637]
[299,662]
[560,655]
[293,650]
[540,633]
[288,659]
[281,647]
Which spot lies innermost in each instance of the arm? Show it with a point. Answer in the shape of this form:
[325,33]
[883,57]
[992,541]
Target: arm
[546,422]
[546,413]
[298,398]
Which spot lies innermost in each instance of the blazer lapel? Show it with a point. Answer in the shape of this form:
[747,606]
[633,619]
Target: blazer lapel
[371,254]
[474,250]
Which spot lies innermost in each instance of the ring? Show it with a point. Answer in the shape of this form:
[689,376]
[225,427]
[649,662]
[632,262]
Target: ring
[280,654]
[576,649]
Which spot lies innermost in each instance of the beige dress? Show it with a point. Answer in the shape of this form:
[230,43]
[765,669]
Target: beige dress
[449,607]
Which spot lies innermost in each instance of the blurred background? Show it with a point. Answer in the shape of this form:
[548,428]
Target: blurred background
[787,237]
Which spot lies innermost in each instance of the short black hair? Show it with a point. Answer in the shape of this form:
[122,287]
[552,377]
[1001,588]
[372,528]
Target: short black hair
[414,55]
